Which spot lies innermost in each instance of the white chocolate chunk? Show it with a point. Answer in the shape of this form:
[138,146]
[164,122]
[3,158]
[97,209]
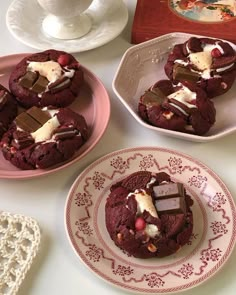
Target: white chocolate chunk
[152,230]
[45,132]
[168,115]
[202,60]
[49,69]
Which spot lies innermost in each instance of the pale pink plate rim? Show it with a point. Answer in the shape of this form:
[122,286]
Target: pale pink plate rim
[77,245]
[103,104]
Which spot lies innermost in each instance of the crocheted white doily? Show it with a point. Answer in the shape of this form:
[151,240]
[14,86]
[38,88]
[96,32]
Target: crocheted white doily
[19,243]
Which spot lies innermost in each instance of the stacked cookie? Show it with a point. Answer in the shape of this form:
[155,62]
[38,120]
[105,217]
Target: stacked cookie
[46,132]
[198,70]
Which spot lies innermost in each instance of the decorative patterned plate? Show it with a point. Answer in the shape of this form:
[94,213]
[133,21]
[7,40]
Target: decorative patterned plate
[214,232]
[96,113]
[24,20]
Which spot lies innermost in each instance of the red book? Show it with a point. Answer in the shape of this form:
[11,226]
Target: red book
[214,18]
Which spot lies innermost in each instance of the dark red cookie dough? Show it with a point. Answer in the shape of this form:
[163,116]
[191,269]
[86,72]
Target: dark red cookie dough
[33,89]
[182,107]
[152,231]
[26,150]
[8,109]
[208,63]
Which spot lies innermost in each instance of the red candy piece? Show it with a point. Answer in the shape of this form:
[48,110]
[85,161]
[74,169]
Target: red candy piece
[216,53]
[140,223]
[63,59]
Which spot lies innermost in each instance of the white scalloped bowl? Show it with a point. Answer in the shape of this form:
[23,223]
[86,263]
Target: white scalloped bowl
[143,64]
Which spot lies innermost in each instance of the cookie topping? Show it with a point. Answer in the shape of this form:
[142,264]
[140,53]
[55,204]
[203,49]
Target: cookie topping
[31,120]
[201,60]
[182,73]
[171,205]
[168,190]
[224,68]
[28,79]
[168,114]
[63,59]
[22,139]
[48,69]
[170,198]
[152,248]
[151,230]
[40,85]
[216,52]
[45,132]
[185,96]
[215,49]
[64,132]
[140,223]
[59,85]
[153,97]
[144,202]
[39,115]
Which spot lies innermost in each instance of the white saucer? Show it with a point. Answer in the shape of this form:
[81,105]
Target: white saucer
[24,20]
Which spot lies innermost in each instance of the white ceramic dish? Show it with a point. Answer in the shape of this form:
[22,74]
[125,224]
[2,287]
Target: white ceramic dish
[214,232]
[24,20]
[143,64]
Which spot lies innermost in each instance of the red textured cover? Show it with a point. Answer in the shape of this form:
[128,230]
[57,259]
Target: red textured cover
[154,18]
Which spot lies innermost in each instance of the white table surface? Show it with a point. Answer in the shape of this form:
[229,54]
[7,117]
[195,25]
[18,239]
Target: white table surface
[56,269]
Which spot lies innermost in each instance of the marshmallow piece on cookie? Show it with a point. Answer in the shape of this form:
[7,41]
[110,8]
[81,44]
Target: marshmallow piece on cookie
[49,69]
[45,132]
[202,60]
[144,202]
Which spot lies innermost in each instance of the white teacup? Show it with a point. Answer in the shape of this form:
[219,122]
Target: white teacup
[66,18]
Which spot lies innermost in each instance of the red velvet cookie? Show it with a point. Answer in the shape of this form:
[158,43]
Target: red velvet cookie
[183,107]
[205,62]
[41,138]
[49,78]
[148,215]
[8,109]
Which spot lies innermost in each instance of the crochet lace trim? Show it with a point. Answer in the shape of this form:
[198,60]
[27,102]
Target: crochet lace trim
[19,243]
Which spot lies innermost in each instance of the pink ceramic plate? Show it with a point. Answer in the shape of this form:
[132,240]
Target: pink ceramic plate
[214,232]
[93,103]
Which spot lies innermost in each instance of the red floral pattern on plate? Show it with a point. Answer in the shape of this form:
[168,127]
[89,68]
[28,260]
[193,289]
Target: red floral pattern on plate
[213,237]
